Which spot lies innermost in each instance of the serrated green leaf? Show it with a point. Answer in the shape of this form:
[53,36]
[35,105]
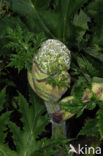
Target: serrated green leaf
[25,110]
[38,121]
[90,128]
[86,66]
[17,135]
[33,125]
[81,20]
[32,116]
[4,118]
[25,44]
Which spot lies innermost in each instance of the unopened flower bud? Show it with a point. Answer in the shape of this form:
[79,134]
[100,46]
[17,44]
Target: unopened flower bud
[51,61]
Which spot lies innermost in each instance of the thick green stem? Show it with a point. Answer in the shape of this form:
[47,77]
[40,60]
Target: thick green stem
[58,129]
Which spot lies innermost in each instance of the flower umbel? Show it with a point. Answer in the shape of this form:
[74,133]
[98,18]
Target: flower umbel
[53,57]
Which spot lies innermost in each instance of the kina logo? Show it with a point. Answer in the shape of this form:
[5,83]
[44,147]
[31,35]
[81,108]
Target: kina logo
[72,149]
[85,150]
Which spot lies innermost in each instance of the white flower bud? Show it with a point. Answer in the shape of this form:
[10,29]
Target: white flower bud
[53,56]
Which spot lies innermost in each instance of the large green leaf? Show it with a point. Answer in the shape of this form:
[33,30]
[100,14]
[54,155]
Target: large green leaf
[33,124]
[55,22]
[90,128]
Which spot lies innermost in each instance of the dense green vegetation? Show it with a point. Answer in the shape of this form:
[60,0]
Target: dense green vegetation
[24,25]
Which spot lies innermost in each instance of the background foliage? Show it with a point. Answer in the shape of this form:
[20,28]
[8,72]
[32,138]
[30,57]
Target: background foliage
[24,25]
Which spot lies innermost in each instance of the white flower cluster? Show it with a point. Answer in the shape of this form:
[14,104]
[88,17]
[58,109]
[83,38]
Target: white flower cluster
[53,56]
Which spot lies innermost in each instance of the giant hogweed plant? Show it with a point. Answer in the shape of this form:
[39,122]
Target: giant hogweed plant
[78,25]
